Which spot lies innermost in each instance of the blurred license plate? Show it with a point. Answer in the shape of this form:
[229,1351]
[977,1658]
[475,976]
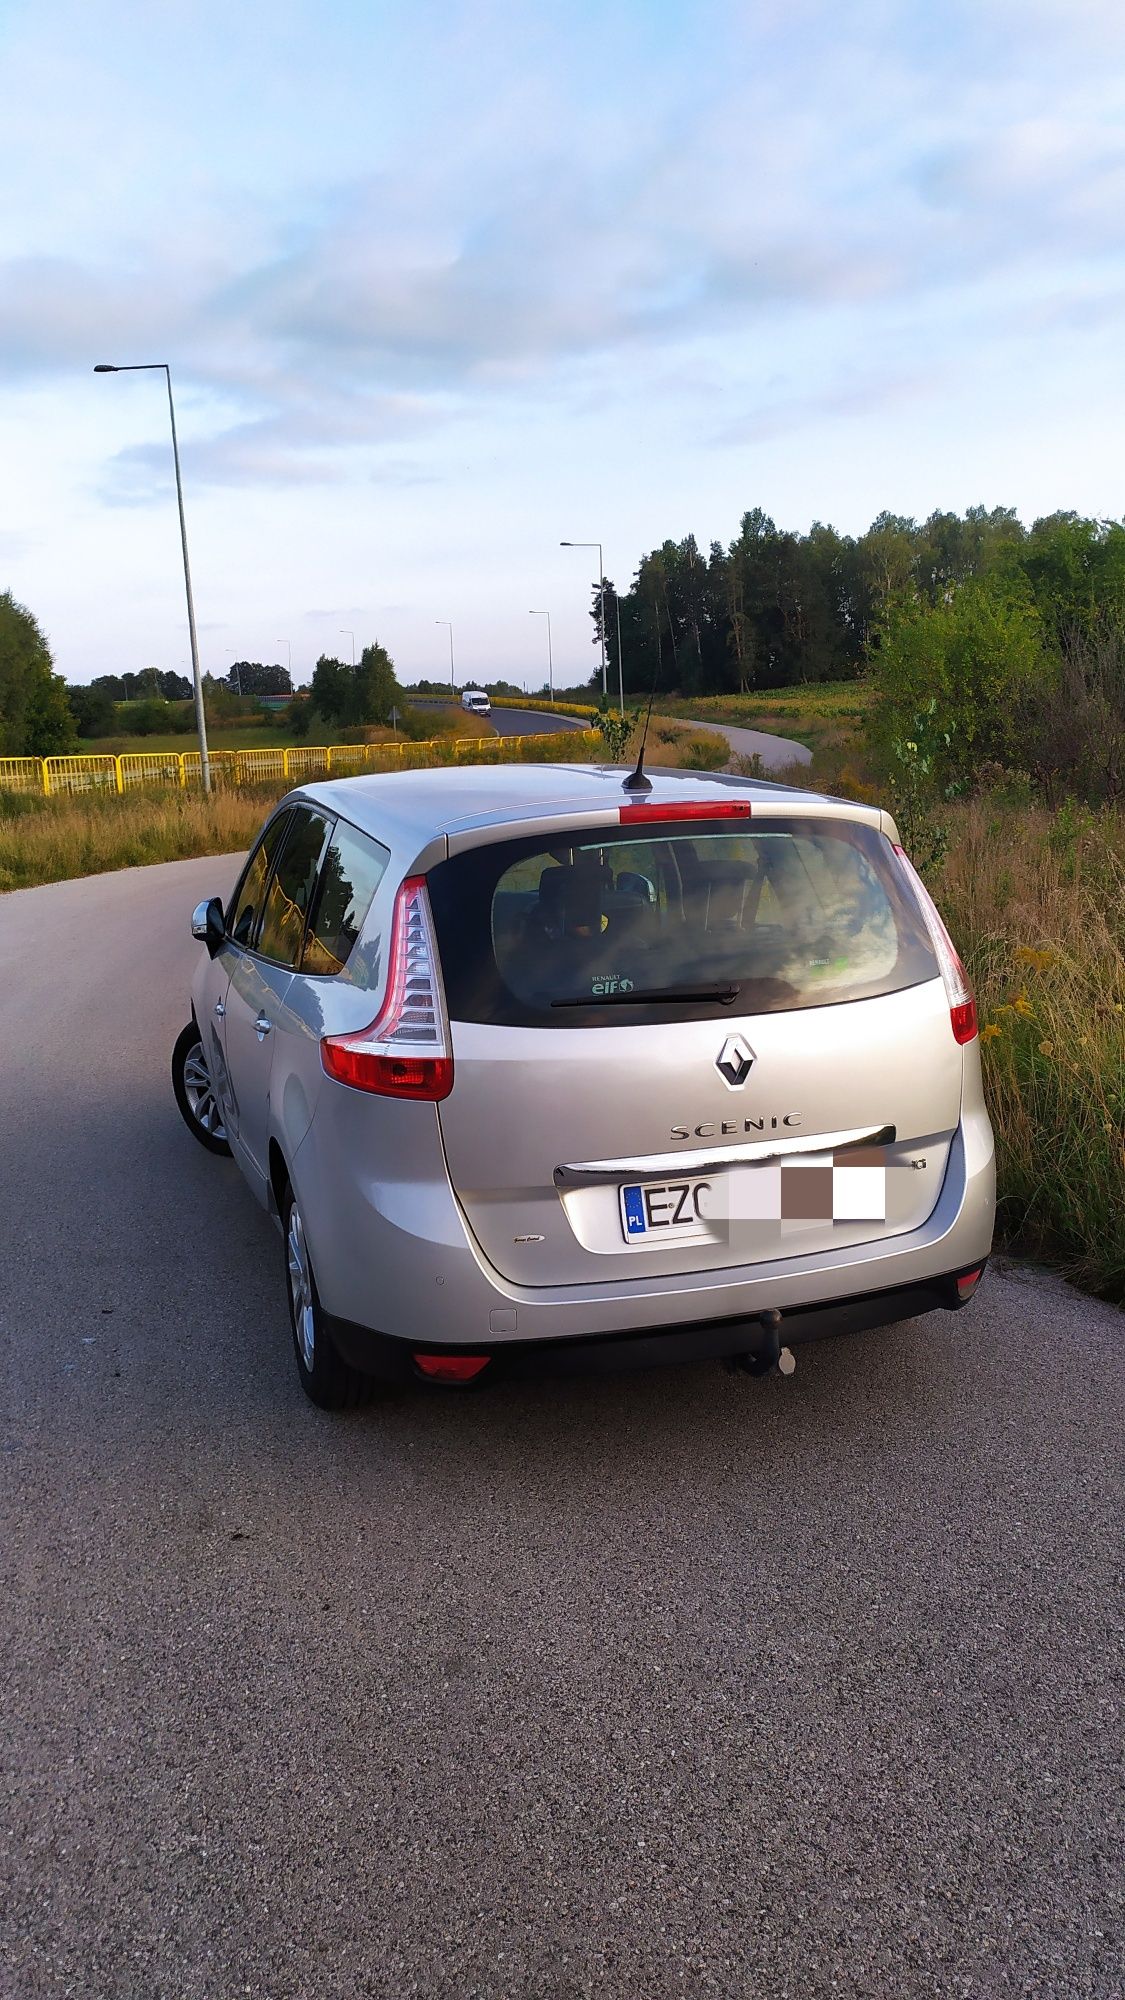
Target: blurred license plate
[655,1212]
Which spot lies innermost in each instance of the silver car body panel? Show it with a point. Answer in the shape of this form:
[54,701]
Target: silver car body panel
[412,1208]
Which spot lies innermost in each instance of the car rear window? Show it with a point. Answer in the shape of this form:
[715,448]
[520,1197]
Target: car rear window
[680,924]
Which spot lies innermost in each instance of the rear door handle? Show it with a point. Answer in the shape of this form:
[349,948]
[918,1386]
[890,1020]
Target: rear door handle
[220,1009]
[262,1027]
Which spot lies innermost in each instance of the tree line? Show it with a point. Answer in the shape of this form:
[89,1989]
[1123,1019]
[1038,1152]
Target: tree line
[775,609]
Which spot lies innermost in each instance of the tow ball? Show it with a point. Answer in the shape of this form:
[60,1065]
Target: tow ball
[768,1355]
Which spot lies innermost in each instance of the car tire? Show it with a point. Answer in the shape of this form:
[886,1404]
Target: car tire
[326,1378]
[195,1091]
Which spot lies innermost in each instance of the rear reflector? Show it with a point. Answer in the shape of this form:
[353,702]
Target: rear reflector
[967,1284]
[404,1053]
[692,809]
[451,1367]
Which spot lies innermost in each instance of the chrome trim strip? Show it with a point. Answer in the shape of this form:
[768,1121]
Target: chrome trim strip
[651,1166]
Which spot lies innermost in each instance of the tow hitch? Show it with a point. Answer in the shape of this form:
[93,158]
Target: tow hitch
[768,1355]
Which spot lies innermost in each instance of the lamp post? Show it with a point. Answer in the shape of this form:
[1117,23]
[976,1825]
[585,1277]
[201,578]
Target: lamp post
[289,643]
[601,600]
[550,661]
[136,368]
[345,634]
[445,621]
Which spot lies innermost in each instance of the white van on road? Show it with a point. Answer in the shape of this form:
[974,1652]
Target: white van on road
[476,700]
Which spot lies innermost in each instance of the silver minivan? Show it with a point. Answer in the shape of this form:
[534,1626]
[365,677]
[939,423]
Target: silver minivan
[535,1070]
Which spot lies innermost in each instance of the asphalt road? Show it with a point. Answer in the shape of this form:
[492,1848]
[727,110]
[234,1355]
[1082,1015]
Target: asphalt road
[531,722]
[677,1684]
[518,721]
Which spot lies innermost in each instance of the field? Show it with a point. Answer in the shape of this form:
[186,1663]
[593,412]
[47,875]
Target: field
[277,734]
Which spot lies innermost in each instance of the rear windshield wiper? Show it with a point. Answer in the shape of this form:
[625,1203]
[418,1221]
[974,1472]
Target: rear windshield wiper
[654,996]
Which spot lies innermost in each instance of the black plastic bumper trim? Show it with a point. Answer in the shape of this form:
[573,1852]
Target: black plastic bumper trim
[387,1358]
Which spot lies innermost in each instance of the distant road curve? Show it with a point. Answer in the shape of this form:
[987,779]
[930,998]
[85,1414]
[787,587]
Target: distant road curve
[775,751]
[517,721]
[531,722]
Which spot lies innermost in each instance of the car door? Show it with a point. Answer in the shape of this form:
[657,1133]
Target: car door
[261,975]
[243,915]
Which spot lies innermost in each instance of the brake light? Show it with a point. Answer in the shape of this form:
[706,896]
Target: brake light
[451,1367]
[962,1006]
[405,1051]
[690,809]
[967,1283]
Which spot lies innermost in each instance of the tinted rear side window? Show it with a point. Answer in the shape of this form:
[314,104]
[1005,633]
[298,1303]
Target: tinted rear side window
[282,929]
[679,924]
[353,869]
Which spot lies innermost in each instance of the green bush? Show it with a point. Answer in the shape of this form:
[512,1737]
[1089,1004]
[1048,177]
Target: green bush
[150,718]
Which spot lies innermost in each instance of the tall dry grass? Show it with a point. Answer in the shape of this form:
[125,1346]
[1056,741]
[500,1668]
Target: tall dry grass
[1036,903]
[50,840]
[90,833]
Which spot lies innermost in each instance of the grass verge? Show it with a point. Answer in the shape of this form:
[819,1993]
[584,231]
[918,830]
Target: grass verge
[51,840]
[1035,902]
[91,833]
[825,716]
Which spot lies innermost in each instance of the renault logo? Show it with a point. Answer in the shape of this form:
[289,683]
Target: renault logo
[734,1061]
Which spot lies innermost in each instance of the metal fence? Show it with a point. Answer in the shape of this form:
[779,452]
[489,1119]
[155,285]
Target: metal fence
[147,769]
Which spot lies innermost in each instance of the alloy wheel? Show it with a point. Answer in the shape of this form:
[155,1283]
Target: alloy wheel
[200,1093]
[300,1289]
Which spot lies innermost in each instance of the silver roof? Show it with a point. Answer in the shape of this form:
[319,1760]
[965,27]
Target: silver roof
[421,805]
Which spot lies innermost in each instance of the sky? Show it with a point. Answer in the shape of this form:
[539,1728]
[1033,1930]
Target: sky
[442,283]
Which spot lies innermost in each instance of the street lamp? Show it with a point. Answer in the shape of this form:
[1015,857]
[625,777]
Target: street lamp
[289,643]
[345,634]
[445,621]
[601,601]
[136,368]
[550,662]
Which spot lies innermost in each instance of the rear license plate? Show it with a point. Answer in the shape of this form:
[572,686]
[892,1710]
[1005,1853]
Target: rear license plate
[654,1212]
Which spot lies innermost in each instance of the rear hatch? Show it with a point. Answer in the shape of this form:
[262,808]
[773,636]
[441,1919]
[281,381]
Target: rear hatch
[685,1046]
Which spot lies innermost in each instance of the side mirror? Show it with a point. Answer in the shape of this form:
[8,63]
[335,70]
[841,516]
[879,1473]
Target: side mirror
[207,925]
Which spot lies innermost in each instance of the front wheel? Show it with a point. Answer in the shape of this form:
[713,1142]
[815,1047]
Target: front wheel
[326,1378]
[195,1091]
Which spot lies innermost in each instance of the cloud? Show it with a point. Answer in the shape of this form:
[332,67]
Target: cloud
[566,227]
[783,414]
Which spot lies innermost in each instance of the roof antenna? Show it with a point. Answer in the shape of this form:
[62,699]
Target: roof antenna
[638,781]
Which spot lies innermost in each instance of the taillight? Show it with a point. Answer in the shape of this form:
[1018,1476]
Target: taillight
[962,1006]
[404,1053]
[967,1283]
[451,1367]
[685,809]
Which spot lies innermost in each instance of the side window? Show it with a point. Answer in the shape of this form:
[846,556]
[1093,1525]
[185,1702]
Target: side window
[282,928]
[245,905]
[353,869]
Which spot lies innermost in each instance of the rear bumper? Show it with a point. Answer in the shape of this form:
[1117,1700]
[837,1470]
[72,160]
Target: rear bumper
[388,1359]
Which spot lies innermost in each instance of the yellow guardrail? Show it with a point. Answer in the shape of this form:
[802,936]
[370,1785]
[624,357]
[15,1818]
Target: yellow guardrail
[22,774]
[134,769]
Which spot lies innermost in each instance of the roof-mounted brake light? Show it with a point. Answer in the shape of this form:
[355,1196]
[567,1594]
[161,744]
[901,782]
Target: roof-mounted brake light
[405,1051]
[685,809]
[962,1006]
